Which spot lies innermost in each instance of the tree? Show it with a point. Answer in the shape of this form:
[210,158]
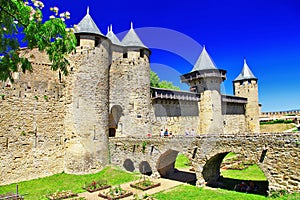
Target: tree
[155,82]
[154,79]
[168,85]
[21,19]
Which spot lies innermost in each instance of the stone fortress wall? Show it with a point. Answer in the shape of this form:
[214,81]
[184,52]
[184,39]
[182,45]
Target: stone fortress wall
[52,123]
[32,123]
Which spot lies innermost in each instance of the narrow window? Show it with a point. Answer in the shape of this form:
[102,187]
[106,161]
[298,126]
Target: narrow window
[125,55]
[97,42]
[78,41]
[142,53]
[59,76]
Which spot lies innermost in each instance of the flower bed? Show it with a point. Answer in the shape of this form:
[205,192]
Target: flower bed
[96,186]
[145,185]
[11,196]
[115,193]
[61,195]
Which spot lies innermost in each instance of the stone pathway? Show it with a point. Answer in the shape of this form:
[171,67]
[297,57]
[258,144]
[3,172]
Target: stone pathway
[166,184]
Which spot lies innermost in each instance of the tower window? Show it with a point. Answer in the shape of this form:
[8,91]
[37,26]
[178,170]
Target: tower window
[59,77]
[142,53]
[125,55]
[97,42]
[78,41]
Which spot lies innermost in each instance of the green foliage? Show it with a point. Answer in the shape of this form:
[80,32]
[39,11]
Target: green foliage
[36,97]
[168,85]
[21,18]
[154,79]
[276,194]
[182,161]
[155,82]
[144,146]
[46,97]
[95,184]
[2,96]
[277,121]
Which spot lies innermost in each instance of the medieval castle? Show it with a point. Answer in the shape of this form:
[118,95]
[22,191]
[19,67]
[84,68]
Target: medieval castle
[52,123]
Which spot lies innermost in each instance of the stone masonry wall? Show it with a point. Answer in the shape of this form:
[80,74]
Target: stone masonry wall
[210,114]
[250,91]
[130,90]
[178,125]
[86,122]
[31,120]
[234,124]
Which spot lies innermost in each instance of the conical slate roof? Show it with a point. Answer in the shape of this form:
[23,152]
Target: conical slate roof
[132,39]
[204,62]
[246,73]
[87,25]
[113,38]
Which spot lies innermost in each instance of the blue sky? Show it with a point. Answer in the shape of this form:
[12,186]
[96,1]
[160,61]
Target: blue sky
[266,32]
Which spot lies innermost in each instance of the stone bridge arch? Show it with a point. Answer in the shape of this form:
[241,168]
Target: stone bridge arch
[277,155]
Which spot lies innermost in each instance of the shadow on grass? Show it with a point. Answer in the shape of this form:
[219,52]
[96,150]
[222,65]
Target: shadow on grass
[224,183]
[230,183]
[182,176]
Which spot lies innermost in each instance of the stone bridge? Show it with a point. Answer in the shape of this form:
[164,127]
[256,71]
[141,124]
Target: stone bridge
[277,155]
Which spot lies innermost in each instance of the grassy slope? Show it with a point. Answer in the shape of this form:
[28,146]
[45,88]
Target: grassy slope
[36,189]
[251,173]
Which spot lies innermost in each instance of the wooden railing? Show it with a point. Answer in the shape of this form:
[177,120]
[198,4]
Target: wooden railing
[159,93]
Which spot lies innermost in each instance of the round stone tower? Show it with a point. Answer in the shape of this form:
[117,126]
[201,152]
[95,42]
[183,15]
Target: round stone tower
[205,78]
[86,123]
[129,86]
[245,85]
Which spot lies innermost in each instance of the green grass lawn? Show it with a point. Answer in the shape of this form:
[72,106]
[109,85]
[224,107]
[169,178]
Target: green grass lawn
[189,192]
[182,161]
[253,173]
[230,155]
[38,188]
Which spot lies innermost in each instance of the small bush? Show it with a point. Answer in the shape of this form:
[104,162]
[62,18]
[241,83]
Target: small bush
[277,194]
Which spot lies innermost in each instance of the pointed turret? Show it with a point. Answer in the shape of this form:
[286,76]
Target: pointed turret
[87,25]
[114,39]
[245,85]
[204,62]
[131,39]
[203,68]
[246,73]
[205,78]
